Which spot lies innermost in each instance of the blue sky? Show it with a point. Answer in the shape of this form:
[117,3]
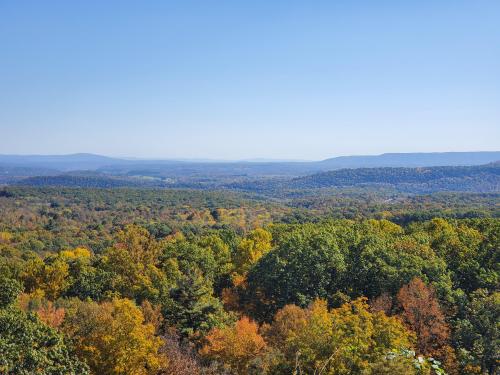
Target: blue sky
[235,79]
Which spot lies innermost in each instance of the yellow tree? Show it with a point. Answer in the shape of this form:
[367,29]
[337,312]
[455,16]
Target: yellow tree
[361,337]
[341,341]
[113,339]
[251,249]
[50,276]
[133,261]
[79,253]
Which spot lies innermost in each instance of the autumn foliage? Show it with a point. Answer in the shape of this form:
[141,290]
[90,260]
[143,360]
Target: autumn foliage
[420,310]
[235,346]
[140,282]
[112,338]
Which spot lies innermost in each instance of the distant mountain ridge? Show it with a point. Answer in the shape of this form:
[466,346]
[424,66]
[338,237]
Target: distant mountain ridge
[419,159]
[27,165]
[81,161]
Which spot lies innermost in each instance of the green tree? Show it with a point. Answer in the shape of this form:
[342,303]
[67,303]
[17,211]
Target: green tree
[478,332]
[383,261]
[461,247]
[191,306]
[27,346]
[306,264]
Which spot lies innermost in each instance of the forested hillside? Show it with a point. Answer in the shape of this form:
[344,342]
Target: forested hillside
[139,281]
[477,179]
[484,178]
[88,181]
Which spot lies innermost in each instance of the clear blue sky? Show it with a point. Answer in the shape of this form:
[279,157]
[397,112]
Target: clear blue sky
[246,79]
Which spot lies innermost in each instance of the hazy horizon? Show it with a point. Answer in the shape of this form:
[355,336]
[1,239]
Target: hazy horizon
[233,81]
[252,160]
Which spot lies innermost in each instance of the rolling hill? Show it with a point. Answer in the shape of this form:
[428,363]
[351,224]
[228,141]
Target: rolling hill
[484,178]
[16,165]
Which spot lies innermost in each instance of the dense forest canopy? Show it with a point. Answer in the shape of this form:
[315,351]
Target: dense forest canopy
[352,279]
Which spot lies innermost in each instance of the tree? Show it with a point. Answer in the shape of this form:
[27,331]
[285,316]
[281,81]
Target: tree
[140,246]
[113,339]
[404,362]
[287,323]
[420,310]
[50,275]
[305,264]
[27,346]
[251,249]
[460,246]
[191,306]
[361,337]
[180,256]
[382,262]
[220,251]
[152,315]
[50,314]
[181,359]
[9,290]
[94,281]
[133,262]
[382,303]
[478,332]
[340,341]
[237,346]
[397,365]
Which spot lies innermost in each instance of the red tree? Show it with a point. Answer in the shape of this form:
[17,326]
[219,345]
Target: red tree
[420,310]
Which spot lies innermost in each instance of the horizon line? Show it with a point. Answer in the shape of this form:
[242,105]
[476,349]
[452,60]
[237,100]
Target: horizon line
[241,160]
